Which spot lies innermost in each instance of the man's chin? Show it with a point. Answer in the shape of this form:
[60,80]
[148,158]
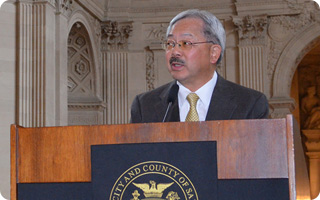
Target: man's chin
[181,79]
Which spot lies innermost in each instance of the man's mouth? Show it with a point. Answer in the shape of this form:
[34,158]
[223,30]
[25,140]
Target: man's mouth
[176,63]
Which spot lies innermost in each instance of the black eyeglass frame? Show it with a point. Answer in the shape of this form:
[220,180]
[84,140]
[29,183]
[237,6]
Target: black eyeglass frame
[165,44]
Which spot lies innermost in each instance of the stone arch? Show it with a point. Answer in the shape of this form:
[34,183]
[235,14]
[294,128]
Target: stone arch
[85,102]
[291,56]
[81,69]
[81,16]
[295,50]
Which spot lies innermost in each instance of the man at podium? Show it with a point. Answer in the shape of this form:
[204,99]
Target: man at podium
[194,46]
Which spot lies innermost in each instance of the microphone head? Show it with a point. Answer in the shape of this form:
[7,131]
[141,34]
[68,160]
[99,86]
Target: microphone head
[173,93]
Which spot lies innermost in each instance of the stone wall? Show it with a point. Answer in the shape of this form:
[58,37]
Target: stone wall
[266,40]
[8,89]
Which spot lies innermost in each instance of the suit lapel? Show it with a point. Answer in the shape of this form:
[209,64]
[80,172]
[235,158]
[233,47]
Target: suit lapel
[161,106]
[174,112]
[222,103]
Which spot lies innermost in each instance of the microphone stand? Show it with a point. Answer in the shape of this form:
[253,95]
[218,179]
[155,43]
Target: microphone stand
[165,116]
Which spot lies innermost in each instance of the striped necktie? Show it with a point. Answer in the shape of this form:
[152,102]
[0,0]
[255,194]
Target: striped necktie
[192,114]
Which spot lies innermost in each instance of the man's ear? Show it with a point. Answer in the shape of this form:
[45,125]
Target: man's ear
[215,52]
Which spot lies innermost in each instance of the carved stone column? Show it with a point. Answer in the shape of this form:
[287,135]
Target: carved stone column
[313,153]
[252,43]
[155,34]
[114,46]
[150,69]
[36,63]
[64,9]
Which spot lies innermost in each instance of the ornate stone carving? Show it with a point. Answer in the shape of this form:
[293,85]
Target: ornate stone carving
[81,77]
[150,74]
[81,68]
[310,106]
[275,51]
[252,39]
[291,23]
[80,42]
[64,6]
[96,27]
[280,107]
[281,30]
[52,2]
[313,140]
[251,30]
[95,106]
[172,7]
[71,84]
[309,93]
[115,35]
[294,5]
[71,51]
[155,34]
[315,16]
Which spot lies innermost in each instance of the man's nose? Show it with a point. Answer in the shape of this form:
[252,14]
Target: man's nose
[176,51]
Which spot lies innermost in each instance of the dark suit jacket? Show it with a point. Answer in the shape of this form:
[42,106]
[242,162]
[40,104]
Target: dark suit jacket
[228,101]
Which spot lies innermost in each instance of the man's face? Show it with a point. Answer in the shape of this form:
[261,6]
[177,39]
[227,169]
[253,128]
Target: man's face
[195,67]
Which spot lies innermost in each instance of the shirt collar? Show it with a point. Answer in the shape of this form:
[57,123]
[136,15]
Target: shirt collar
[204,93]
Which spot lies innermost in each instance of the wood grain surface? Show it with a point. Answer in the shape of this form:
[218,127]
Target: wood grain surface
[245,148]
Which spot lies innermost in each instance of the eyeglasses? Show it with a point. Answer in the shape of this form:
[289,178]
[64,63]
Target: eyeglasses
[183,44]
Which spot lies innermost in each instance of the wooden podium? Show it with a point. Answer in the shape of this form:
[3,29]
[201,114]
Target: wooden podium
[246,149]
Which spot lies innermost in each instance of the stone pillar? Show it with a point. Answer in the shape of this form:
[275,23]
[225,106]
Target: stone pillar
[252,44]
[150,69]
[313,153]
[64,9]
[36,63]
[314,171]
[114,46]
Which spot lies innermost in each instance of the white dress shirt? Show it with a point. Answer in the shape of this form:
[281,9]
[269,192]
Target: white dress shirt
[204,93]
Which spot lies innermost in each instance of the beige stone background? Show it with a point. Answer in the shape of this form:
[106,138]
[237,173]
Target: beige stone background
[69,62]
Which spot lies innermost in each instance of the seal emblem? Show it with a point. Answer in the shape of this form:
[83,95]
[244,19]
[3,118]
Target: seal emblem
[153,180]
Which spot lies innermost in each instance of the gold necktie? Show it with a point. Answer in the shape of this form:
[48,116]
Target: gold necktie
[192,114]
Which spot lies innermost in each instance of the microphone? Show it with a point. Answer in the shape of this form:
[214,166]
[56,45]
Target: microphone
[171,98]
